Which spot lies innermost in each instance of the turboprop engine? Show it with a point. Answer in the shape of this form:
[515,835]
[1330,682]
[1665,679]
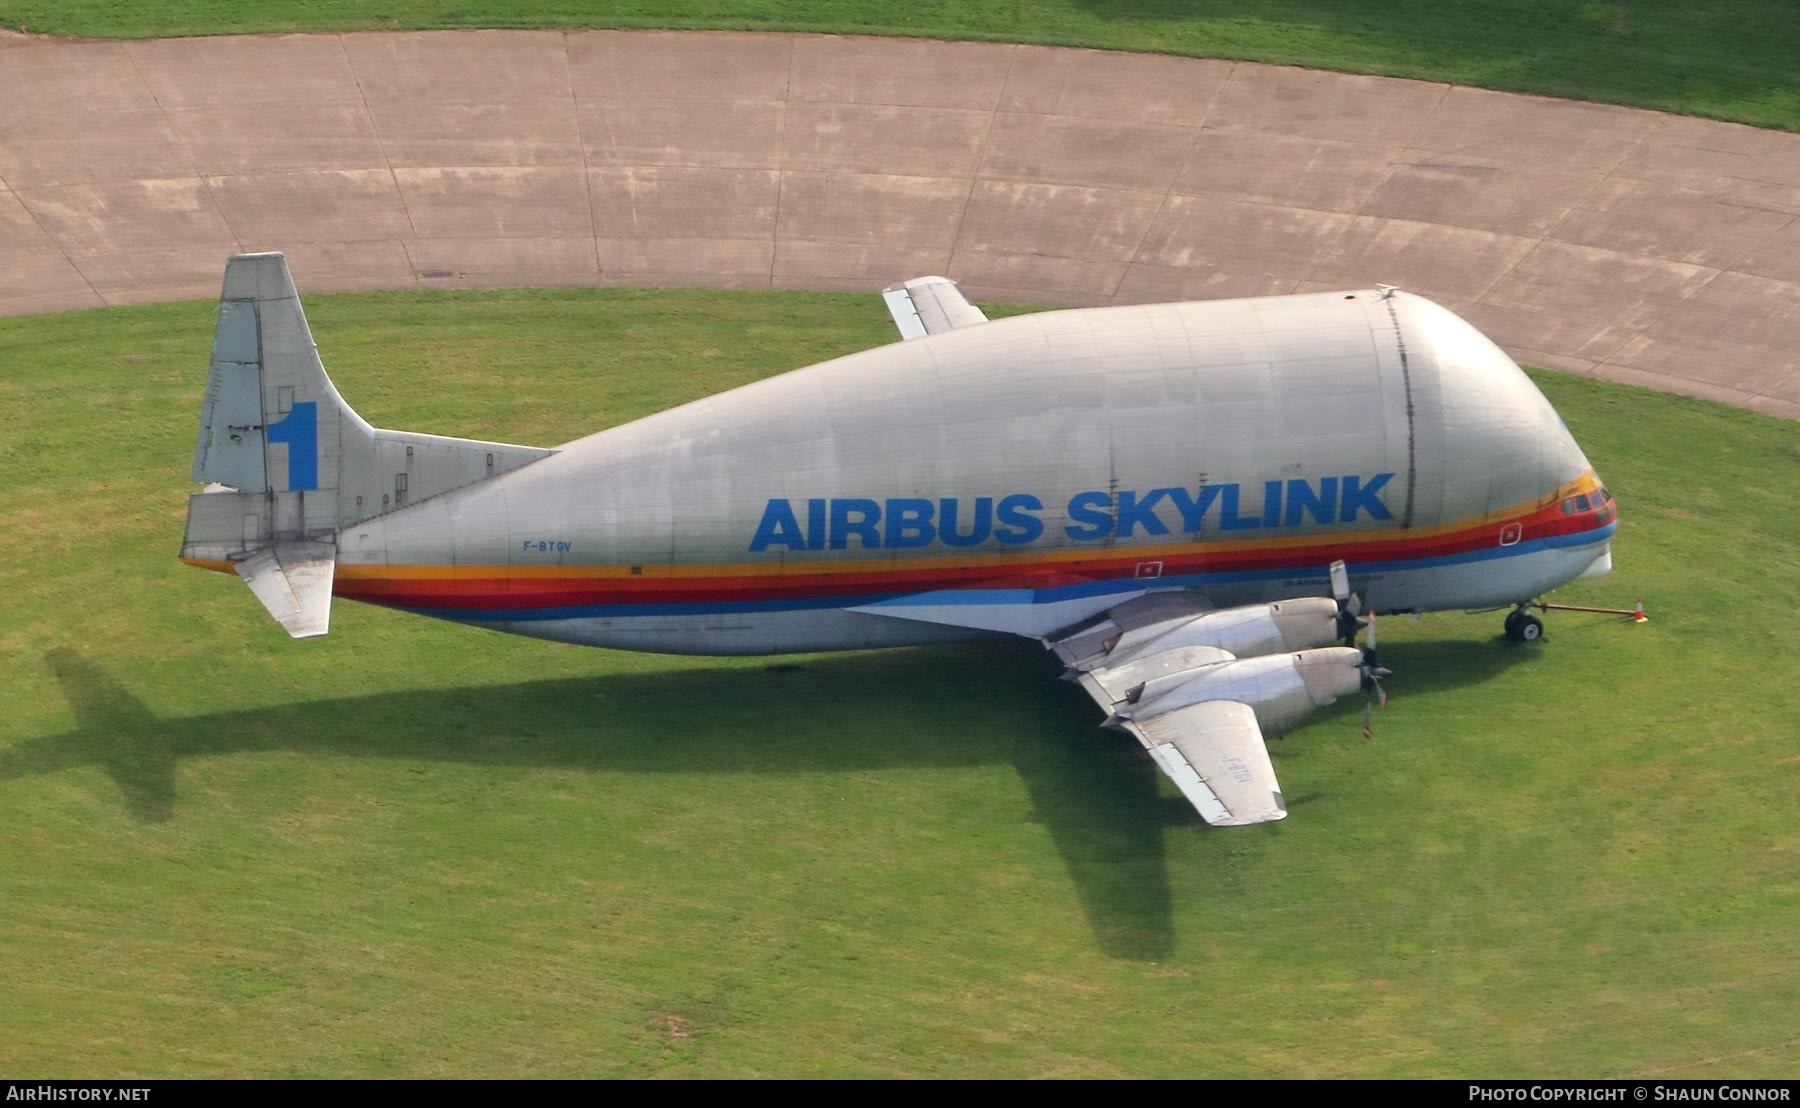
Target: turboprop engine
[1282,689]
[1158,654]
[1159,623]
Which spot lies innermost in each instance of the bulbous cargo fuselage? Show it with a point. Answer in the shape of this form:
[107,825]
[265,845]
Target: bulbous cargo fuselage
[1021,475]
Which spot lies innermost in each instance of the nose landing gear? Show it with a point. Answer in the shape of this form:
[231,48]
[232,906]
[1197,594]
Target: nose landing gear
[1521,626]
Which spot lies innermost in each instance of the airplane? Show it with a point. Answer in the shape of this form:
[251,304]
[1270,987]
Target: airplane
[1196,506]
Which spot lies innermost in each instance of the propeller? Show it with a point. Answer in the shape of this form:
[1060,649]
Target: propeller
[1349,604]
[1371,669]
[1372,673]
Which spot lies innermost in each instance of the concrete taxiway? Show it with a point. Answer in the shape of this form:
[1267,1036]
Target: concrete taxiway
[1644,247]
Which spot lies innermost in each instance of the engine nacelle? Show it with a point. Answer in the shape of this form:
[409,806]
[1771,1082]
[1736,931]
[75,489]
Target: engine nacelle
[1247,632]
[1282,689]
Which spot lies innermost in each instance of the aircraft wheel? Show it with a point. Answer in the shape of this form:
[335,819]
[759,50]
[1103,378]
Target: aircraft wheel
[1531,629]
[1512,624]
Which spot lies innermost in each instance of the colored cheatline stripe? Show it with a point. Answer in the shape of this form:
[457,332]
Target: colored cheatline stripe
[972,596]
[490,593]
[1533,516]
[602,603]
[488,588]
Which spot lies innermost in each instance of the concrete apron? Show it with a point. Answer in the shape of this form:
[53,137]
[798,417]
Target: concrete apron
[1655,249]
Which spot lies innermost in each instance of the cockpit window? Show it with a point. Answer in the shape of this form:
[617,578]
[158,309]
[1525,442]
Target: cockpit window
[1568,506]
[1581,502]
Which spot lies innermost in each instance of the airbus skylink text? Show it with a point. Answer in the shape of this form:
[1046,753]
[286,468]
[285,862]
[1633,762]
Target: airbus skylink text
[899,522]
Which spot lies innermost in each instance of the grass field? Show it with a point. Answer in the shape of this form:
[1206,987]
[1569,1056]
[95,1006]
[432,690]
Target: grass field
[1729,59]
[419,849]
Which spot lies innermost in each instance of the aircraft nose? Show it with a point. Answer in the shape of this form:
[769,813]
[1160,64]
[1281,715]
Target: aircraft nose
[1601,565]
[1501,433]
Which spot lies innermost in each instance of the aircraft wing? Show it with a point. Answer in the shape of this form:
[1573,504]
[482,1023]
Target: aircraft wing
[1214,752]
[1213,749]
[929,306]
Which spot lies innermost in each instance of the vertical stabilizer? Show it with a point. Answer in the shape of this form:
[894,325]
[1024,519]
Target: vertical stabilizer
[287,463]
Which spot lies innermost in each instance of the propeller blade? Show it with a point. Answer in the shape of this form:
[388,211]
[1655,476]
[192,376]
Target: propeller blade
[1373,694]
[1350,605]
[1370,638]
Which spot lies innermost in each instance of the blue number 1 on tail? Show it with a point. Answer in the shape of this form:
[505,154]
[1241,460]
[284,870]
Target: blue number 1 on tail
[300,430]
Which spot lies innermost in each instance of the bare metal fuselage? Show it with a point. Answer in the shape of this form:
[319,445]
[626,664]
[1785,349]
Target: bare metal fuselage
[1020,476]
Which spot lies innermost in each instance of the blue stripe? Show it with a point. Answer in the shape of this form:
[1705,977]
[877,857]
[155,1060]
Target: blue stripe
[998,596]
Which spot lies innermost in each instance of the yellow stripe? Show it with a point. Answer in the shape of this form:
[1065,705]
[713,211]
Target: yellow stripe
[211,563]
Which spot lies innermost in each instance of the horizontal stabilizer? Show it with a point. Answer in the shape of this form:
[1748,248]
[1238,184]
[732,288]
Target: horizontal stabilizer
[929,306]
[293,581]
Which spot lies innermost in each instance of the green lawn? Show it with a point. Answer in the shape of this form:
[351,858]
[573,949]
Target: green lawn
[413,848]
[1729,59]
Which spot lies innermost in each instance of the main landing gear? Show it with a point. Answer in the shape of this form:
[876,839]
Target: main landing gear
[1521,626]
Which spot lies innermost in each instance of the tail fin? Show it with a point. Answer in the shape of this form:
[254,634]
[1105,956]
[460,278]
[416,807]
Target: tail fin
[287,463]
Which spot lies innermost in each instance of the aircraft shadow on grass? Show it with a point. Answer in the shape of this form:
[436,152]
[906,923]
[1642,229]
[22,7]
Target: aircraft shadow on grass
[1095,791]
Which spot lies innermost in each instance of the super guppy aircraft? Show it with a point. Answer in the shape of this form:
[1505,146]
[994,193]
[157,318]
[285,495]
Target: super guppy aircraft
[1187,502]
